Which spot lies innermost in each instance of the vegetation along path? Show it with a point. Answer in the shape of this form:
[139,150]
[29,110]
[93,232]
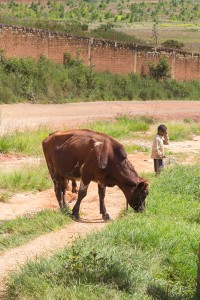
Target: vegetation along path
[68,115]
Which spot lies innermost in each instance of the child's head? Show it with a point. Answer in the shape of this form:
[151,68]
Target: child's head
[162,130]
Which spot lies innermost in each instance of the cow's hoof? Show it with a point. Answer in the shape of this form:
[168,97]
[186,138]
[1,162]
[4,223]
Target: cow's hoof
[106,217]
[75,217]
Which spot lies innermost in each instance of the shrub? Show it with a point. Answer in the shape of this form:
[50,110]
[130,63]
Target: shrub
[177,90]
[159,71]
[173,44]
[43,81]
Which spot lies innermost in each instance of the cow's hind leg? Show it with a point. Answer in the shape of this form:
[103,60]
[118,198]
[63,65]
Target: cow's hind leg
[64,185]
[81,194]
[74,186]
[102,192]
[58,192]
[58,189]
[60,185]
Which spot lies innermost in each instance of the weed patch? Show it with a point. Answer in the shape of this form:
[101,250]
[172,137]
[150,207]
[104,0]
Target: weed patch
[28,178]
[27,142]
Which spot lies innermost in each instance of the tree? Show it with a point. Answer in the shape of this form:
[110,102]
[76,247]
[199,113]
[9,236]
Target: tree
[155,34]
[161,71]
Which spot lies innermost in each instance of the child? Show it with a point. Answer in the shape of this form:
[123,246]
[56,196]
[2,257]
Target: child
[157,154]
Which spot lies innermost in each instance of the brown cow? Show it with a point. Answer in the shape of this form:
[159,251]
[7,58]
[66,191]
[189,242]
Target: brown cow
[92,156]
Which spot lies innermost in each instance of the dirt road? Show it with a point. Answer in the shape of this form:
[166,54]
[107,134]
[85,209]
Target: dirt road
[69,115]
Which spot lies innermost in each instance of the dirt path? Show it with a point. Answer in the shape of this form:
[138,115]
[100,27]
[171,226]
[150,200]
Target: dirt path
[69,115]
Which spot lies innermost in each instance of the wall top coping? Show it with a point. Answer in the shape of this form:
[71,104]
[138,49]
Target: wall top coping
[103,42]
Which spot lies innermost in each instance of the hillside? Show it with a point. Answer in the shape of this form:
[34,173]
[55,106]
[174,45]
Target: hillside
[100,11]
[111,19]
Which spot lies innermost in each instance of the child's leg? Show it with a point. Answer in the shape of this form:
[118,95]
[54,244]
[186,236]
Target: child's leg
[158,165]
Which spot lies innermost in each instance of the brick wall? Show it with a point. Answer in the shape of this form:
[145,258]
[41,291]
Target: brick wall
[105,55]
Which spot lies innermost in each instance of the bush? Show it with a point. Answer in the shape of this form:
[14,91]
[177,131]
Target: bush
[159,71]
[43,81]
[173,44]
[177,90]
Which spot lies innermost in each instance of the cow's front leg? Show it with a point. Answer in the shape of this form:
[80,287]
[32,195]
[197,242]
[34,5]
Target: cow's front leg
[81,194]
[102,192]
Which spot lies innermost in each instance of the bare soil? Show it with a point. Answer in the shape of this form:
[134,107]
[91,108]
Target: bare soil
[18,116]
[69,115]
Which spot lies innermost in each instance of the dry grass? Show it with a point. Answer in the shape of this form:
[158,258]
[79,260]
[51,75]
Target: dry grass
[189,33]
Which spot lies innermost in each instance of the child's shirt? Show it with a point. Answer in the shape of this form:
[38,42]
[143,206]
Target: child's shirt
[158,146]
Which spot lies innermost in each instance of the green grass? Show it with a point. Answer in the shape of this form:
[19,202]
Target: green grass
[28,142]
[134,147]
[122,127]
[180,131]
[28,178]
[144,256]
[177,130]
[19,231]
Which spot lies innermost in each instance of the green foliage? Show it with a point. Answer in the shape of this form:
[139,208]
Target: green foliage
[43,81]
[159,71]
[173,44]
[69,61]
[95,12]
[141,256]
[178,90]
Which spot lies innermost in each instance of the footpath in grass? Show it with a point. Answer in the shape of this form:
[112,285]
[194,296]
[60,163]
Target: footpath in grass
[152,255]
[22,229]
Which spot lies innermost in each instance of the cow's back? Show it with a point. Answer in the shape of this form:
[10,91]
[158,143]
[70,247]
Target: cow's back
[67,151]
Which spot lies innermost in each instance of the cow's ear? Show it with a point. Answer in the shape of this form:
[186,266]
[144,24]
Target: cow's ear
[142,185]
[100,149]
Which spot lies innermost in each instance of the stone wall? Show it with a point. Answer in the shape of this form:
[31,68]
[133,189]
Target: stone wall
[104,55]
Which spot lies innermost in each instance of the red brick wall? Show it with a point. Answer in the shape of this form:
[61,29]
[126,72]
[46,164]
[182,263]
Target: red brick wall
[105,55]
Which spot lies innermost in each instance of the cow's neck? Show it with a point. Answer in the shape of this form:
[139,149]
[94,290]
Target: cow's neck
[128,173]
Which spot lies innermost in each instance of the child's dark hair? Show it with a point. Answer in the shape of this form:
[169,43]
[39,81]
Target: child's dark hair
[162,128]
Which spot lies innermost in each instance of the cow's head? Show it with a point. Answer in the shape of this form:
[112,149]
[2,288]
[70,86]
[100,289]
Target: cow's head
[137,196]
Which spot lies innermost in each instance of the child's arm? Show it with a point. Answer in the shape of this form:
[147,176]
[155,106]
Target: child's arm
[158,148]
[166,139]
